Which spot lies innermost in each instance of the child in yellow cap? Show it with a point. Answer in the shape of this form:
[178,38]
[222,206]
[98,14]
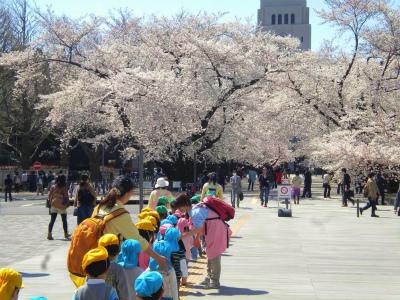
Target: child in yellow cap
[10,284]
[116,274]
[146,229]
[96,264]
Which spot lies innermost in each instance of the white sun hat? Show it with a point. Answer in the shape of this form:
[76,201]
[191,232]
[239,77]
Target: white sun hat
[161,183]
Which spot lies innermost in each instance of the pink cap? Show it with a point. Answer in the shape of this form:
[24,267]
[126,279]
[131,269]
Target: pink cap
[164,228]
[182,223]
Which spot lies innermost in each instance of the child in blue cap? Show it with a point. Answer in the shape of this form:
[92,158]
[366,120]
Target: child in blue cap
[172,237]
[149,286]
[167,247]
[129,260]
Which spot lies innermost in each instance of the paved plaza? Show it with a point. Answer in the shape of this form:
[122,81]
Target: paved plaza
[323,252]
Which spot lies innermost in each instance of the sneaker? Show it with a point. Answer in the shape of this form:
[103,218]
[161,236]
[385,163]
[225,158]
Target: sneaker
[374,216]
[50,237]
[205,282]
[213,285]
[262,203]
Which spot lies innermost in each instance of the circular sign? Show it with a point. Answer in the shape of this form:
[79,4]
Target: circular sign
[284,190]
[37,165]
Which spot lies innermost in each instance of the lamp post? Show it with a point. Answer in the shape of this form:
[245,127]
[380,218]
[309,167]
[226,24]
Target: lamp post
[141,169]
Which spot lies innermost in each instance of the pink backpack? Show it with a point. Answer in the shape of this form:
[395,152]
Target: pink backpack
[220,207]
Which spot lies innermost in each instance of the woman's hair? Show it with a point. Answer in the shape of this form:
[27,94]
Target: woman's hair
[61,181]
[180,201]
[212,177]
[155,296]
[120,187]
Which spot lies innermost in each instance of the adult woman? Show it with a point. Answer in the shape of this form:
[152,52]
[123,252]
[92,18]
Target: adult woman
[59,202]
[212,187]
[85,199]
[123,226]
[216,234]
[160,191]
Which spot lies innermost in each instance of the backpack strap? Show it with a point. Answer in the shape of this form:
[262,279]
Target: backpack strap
[116,213]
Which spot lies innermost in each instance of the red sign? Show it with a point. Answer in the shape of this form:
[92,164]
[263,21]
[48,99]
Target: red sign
[37,165]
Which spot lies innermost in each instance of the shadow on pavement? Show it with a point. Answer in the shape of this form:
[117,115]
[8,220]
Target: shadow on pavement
[34,275]
[235,291]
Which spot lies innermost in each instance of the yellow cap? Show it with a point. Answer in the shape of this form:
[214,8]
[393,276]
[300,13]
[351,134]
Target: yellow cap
[143,215]
[108,240]
[145,224]
[152,220]
[94,255]
[146,209]
[9,281]
[155,214]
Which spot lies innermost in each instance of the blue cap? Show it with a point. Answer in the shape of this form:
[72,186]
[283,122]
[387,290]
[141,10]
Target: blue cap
[38,298]
[171,237]
[129,256]
[173,219]
[166,221]
[148,283]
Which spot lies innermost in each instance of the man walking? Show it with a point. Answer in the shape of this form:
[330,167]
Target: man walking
[327,185]
[263,180]
[380,182]
[252,179]
[8,183]
[371,191]
[236,182]
[307,184]
[346,183]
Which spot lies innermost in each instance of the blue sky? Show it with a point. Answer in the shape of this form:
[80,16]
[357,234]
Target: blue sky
[244,9]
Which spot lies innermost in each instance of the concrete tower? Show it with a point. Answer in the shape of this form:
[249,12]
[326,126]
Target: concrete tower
[287,17]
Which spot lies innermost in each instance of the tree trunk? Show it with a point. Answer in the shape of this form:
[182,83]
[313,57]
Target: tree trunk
[94,157]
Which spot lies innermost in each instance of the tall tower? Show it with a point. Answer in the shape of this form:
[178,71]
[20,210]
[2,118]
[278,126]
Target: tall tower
[287,17]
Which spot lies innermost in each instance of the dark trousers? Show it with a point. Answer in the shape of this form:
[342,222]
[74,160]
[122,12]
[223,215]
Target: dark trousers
[327,190]
[382,192]
[84,212]
[53,220]
[307,191]
[339,188]
[251,185]
[371,203]
[8,192]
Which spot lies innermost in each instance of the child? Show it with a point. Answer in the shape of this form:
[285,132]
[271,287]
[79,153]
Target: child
[183,226]
[149,286]
[172,237]
[165,249]
[162,211]
[96,263]
[173,219]
[10,284]
[116,274]
[163,201]
[146,230]
[129,260]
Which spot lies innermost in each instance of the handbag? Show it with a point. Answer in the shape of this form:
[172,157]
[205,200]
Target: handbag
[241,196]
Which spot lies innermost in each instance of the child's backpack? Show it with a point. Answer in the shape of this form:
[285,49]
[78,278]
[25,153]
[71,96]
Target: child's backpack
[86,237]
[220,207]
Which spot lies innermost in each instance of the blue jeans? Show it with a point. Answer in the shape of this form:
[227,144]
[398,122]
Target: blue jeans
[84,212]
[264,194]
